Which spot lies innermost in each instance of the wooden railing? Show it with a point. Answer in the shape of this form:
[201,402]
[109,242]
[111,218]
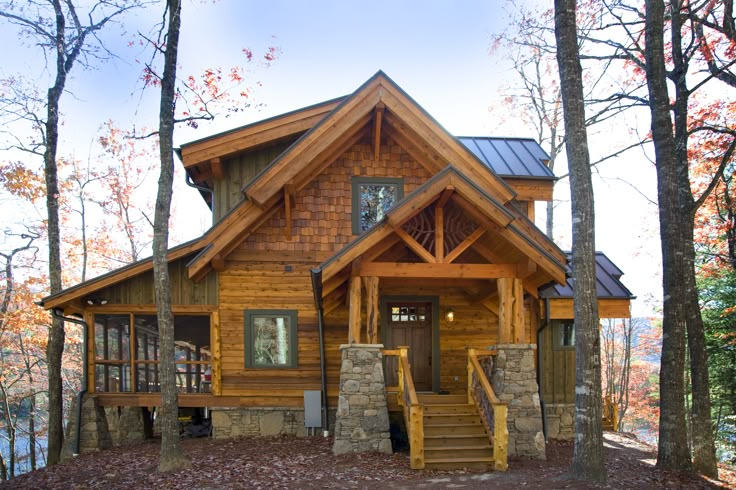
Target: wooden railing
[412,410]
[610,412]
[492,411]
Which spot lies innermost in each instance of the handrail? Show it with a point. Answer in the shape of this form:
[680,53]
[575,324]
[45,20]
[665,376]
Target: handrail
[492,411]
[412,410]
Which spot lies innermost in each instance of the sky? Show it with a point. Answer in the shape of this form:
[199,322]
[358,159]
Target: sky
[437,51]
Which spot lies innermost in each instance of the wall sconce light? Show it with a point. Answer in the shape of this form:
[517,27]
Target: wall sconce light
[450,315]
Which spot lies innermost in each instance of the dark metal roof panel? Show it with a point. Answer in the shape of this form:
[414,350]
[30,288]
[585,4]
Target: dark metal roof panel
[510,157]
[608,284]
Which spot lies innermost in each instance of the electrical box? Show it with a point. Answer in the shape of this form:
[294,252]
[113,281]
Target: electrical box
[312,408]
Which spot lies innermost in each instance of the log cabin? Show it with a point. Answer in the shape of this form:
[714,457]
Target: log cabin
[365,270]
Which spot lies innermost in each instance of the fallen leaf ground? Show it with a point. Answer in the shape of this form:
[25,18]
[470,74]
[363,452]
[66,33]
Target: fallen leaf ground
[286,462]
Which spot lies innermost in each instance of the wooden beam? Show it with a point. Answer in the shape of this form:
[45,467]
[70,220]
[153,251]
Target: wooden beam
[377,130]
[354,314]
[445,197]
[438,271]
[288,204]
[463,246]
[371,295]
[216,166]
[218,263]
[422,252]
[439,233]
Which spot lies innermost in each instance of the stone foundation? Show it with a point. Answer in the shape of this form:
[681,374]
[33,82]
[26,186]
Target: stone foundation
[128,424]
[236,422]
[560,420]
[514,380]
[95,433]
[362,414]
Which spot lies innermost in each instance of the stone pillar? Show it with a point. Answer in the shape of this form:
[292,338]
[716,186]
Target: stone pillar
[362,414]
[514,380]
[95,434]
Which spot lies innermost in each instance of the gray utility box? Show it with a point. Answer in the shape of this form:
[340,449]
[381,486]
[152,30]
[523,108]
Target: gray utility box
[312,408]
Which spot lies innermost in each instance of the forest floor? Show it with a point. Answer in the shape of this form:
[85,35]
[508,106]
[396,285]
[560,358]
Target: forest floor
[287,462]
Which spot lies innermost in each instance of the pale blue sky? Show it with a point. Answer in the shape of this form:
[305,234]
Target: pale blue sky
[437,51]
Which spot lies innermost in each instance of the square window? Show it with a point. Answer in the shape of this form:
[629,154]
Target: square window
[564,334]
[270,339]
[372,198]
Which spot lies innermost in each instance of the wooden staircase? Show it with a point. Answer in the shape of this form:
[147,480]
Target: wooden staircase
[454,435]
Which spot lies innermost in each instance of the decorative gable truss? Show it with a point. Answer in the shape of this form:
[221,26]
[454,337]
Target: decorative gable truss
[451,230]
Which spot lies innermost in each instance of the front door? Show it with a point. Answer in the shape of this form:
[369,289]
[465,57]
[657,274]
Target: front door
[409,323]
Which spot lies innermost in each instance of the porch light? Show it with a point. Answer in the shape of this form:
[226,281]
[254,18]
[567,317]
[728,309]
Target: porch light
[450,315]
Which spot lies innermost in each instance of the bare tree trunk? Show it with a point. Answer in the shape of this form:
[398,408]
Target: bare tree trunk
[673,450]
[55,346]
[588,450]
[172,457]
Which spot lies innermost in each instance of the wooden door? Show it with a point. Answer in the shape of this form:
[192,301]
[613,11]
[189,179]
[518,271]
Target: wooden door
[410,324]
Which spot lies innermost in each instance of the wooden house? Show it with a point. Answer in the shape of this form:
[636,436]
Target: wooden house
[358,250]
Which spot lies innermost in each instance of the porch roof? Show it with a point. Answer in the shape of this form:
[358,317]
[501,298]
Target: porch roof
[607,279]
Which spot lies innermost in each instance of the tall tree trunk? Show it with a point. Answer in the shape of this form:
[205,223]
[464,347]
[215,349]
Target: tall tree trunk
[704,456]
[172,457]
[55,346]
[588,450]
[673,451]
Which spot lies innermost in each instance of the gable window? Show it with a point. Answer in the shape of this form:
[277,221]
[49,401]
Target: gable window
[564,334]
[372,198]
[270,339]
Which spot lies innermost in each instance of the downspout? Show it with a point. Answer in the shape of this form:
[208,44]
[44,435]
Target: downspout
[545,324]
[55,312]
[317,290]
[202,188]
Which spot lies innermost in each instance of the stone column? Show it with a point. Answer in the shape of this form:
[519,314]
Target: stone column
[514,380]
[362,414]
[95,434]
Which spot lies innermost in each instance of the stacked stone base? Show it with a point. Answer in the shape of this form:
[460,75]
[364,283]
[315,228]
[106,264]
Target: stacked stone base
[560,420]
[238,422]
[95,433]
[362,413]
[514,380]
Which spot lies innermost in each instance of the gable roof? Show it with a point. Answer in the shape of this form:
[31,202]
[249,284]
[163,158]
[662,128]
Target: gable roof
[607,278]
[411,125]
[408,123]
[118,275]
[510,157]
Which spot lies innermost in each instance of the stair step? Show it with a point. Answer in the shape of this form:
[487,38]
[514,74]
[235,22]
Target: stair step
[450,409]
[451,418]
[477,463]
[443,440]
[464,454]
[434,399]
[476,429]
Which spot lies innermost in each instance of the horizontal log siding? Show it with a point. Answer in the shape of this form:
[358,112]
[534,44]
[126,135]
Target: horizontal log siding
[139,290]
[321,218]
[240,170]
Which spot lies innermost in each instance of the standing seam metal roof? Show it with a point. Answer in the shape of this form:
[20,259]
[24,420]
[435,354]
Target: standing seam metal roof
[510,157]
[607,278]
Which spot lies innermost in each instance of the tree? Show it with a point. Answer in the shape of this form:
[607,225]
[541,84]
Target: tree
[172,457]
[67,40]
[588,450]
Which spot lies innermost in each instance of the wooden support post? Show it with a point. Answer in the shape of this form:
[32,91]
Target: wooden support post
[216,362]
[371,295]
[416,442]
[439,234]
[510,311]
[471,352]
[354,315]
[377,131]
[500,437]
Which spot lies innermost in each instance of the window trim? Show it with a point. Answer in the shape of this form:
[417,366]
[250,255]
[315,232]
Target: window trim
[558,333]
[249,353]
[356,182]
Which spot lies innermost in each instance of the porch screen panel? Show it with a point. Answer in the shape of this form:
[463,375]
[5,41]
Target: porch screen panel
[112,353]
